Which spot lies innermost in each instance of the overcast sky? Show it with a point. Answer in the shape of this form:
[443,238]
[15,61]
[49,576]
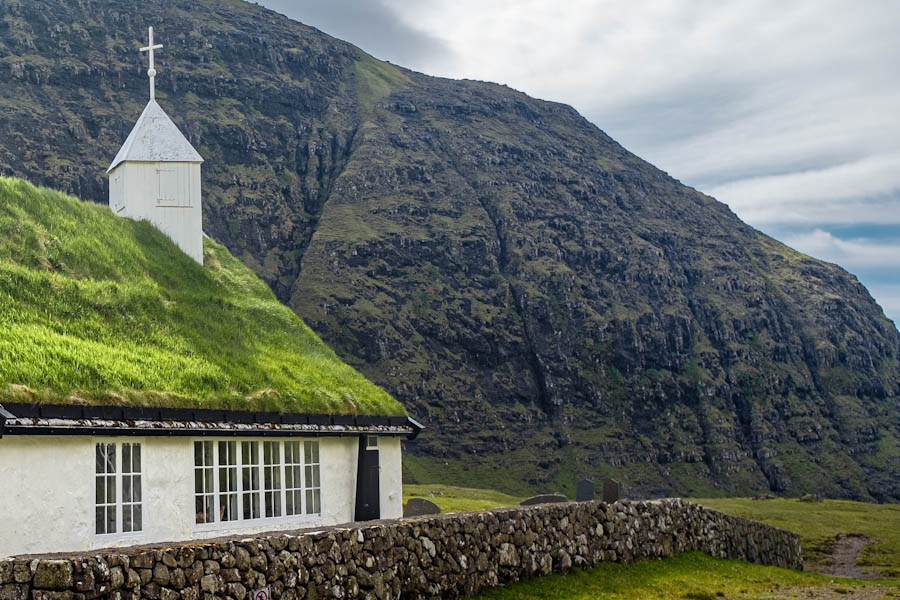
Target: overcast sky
[789,112]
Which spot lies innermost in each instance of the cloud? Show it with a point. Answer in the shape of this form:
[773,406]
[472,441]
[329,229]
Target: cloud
[370,24]
[866,190]
[853,253]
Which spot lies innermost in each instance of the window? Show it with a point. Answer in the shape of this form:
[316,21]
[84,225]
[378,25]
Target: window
[372,442]
[113,506]
[313,493]
[272,478]
[250,479]
[204,489]
[228,483]
[132,519]
[106,488]
[293,482]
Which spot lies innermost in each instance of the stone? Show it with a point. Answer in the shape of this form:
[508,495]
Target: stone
[54,575]
[236,590]
[612,491]
[543,499]
[6,571]
[46,595]
[133,579]
[241,559]
[14,591]
[161,574]
[418,507]
[211,584]
[142,561]
[584,491]
[116,578]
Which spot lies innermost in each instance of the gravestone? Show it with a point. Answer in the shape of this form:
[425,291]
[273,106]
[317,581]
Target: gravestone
[543,499]
[584,491]
[612,491]
[418,507]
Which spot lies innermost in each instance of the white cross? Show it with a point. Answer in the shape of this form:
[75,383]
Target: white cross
[151,72]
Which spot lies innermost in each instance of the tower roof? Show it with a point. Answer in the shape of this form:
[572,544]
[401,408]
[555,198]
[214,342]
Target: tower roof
[155,138]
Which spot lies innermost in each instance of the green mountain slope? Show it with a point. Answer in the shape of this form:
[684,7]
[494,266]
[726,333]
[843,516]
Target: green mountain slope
[549,304]
[104,310]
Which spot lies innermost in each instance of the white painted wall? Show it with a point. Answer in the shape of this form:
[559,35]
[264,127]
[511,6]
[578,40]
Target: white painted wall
[167,194]
[47,488]
[391,480]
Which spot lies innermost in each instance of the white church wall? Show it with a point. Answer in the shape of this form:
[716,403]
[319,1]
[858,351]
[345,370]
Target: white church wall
[48,500]
[391,483]
[167,194]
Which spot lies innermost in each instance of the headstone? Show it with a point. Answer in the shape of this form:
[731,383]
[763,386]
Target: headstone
[612,491]
[543,499]
[584,491]
[418,507]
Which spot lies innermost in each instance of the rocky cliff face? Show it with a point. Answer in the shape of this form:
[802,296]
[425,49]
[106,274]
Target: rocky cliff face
[547,303]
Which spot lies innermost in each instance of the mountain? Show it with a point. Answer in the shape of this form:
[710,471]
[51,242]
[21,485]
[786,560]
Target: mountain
[99,309]
[547,303]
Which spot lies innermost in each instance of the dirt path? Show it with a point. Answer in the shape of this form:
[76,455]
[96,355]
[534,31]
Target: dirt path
[846,551]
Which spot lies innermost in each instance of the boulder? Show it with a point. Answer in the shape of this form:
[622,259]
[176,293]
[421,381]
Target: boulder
[417,507]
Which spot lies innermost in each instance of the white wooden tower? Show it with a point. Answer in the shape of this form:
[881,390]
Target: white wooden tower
[155,177]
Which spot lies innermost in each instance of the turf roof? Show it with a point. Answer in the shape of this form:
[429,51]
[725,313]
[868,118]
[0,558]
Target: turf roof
[97,309]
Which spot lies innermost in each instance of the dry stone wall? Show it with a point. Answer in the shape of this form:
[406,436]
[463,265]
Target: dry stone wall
[425,557]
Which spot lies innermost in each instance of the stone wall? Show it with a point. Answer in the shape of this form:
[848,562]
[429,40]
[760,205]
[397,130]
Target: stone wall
[425,557]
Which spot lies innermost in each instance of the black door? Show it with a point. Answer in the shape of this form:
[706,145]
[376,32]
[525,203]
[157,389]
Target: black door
[368,487]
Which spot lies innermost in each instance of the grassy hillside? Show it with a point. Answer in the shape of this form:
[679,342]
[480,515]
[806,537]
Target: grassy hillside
[103,310]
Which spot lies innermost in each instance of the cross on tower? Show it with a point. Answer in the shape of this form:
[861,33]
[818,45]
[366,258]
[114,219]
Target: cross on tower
[151,72]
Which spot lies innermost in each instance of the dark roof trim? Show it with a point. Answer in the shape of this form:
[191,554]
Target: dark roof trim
[4,415]
[60,419]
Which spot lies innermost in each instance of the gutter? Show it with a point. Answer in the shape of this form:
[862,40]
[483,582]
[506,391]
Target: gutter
[416,426]
[49,419]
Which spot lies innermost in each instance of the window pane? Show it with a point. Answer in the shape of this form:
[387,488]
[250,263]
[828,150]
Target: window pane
[126,487]
[136,458]
[110,489]
[126,458]
[136,488]
[126,517]
[138,519]
[101,519]
[101,490]
[110,520]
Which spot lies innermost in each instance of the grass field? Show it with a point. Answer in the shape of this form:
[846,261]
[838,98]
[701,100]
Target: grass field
[690,576]
[98,309]
[696,576]
[818,523]
[457,499]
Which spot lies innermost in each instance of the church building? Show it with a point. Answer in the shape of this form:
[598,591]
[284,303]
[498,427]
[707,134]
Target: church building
[155,177]
[75,477]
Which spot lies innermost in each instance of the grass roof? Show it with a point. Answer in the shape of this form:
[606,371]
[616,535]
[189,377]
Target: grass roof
[97,309]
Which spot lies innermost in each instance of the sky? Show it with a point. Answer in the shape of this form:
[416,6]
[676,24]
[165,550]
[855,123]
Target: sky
[789,112]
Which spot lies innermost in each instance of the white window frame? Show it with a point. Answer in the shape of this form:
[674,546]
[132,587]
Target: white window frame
[300,517]
[118,478]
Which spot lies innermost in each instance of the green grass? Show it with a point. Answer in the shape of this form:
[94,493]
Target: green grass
[687,576]
[98,309]
[457,499]
[818,523]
